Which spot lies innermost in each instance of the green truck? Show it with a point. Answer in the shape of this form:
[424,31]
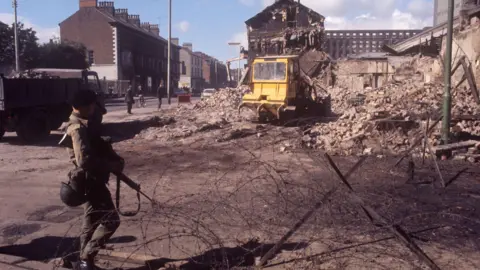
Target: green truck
[33,107]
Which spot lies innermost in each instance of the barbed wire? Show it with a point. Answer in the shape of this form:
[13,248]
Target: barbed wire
[228,208]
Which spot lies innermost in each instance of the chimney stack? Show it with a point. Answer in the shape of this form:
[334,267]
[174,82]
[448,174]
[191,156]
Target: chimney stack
[175,41]
[134,19]
[146,26]
[155,29]
[188,45]
[87,3]
[107,6]
[122,13]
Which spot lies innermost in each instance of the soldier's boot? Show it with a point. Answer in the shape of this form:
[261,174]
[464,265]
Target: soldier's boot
[87,265]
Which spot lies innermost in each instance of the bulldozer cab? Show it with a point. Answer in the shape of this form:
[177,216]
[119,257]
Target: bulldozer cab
[273,83]
[273,78]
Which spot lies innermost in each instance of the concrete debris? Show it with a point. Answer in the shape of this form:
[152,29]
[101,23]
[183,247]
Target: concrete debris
[215,113]
[224,103]
[386,120]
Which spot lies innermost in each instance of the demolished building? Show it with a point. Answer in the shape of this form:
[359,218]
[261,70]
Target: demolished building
[285,27]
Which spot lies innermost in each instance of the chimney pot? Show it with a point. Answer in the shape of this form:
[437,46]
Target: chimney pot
[134,19]
[122,13]
[107,6]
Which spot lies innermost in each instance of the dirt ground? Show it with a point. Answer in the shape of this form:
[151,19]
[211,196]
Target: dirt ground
[225,198]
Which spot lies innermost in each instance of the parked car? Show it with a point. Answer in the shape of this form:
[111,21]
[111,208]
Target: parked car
[207,93]
[179,91]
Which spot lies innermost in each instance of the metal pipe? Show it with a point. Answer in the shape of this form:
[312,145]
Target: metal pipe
[447,98]
[169,73]
[15,31]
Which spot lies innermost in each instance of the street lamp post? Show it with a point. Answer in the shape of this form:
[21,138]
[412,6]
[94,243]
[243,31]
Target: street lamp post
[239,58]
[447,98]
[15,33]
[169,73]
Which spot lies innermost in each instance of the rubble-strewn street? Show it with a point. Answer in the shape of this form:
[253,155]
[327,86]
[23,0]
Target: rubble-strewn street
[241,194]
[324,149]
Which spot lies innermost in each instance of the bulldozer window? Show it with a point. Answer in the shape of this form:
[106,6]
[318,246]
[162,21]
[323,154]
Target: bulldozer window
[273,71]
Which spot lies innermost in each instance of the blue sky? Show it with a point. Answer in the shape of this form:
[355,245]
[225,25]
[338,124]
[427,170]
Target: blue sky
[210,24]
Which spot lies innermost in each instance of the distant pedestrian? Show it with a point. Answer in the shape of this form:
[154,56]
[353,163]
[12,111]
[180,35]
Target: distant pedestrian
[160,94]
[129,99]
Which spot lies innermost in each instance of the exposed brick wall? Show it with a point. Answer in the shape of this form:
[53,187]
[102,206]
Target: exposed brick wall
[89,27]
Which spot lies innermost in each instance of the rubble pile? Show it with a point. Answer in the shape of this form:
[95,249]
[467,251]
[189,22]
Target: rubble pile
[213,113]
[387,120]
[222,104]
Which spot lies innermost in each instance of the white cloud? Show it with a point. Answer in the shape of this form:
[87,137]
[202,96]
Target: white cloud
[397,20]
[371,14]
[247,2]
[44,34]
[421,8]
[183,26]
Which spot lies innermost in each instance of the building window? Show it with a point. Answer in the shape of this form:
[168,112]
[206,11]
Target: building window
[91,58]
[184,68]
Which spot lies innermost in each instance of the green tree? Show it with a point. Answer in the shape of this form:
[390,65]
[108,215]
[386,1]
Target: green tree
[62,55]
[27,46]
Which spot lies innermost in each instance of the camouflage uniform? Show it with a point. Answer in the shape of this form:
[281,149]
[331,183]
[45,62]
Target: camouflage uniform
[100,219]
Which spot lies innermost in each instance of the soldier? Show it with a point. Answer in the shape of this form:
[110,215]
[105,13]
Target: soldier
[100,219]
[129,99]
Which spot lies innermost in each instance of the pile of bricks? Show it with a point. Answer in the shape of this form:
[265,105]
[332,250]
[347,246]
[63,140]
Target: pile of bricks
[388,119]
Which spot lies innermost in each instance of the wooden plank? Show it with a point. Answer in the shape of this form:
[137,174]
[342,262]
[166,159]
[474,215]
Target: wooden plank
[454,146]
[471,80]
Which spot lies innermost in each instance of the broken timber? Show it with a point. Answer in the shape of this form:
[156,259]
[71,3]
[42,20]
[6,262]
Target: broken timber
[418,141]
[397,231]
[471,79]
[454,146]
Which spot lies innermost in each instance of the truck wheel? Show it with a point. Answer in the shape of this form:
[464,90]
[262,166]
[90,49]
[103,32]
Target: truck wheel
[33,127]
[2,132]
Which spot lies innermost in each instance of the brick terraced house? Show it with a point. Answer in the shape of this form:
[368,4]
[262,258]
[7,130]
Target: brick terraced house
[120,46]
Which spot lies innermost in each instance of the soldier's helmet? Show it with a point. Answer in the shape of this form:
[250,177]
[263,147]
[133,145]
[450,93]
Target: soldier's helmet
[83,98]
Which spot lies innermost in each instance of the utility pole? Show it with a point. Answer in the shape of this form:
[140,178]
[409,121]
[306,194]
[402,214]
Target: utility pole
[169,72]
[447,98]
[15,31]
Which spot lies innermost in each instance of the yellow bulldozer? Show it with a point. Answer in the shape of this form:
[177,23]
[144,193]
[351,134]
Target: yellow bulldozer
[280,90]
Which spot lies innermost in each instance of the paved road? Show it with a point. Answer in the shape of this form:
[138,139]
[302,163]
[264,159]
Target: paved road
[118,104]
